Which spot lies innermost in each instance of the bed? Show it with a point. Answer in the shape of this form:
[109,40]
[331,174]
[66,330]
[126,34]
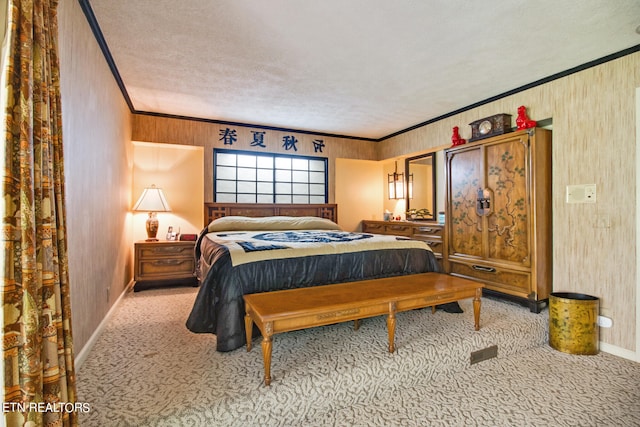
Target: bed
[259,248]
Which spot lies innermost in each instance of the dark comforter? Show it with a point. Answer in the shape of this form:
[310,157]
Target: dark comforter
[219,306]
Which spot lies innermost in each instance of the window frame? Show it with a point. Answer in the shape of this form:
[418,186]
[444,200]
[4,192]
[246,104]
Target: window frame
[276,186]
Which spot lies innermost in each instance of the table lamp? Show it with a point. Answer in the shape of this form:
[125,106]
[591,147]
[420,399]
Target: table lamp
[152,200]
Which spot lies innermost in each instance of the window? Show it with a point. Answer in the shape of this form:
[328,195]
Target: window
[247,177]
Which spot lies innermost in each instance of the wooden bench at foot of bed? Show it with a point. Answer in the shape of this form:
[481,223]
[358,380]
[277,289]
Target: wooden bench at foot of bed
[293,309]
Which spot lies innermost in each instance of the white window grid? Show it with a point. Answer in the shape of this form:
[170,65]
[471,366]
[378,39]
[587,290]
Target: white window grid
[248,177]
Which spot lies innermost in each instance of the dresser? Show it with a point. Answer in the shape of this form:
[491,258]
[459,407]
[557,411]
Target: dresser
[498,214]
[163,263]
[430,232]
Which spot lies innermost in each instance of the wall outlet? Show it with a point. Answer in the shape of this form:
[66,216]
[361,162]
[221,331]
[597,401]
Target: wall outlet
[605,322]
[590,193]
[583,193]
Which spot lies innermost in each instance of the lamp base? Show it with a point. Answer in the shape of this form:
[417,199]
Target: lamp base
[152,227]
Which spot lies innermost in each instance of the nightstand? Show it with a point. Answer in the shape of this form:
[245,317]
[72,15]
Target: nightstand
[164,263]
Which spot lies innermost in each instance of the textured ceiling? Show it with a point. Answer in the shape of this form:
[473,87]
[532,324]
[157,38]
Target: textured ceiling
[366,68]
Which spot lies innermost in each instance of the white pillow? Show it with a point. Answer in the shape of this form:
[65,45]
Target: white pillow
[238,223]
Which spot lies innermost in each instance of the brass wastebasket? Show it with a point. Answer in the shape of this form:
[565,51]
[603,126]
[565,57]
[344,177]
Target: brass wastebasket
[573,323]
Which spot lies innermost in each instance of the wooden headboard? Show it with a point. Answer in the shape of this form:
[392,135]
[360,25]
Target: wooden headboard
[218,210]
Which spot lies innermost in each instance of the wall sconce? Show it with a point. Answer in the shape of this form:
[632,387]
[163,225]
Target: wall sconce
[396,184]
[152,200]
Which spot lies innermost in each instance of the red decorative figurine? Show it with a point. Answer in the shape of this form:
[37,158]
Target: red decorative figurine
[455,138]
[523,122]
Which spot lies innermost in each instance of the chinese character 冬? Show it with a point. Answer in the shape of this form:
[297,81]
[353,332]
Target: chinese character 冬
[318,144]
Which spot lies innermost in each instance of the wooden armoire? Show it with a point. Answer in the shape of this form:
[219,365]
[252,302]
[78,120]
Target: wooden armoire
[498,214]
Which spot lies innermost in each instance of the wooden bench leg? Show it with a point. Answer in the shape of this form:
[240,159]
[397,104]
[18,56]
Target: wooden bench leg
[266,352]
[391,326]
[248,329]
[476,308]
[356,324]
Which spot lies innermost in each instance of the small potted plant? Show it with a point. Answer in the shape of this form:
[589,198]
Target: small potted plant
[418,213]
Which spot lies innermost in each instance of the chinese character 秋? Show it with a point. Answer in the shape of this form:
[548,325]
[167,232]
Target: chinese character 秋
[289,142]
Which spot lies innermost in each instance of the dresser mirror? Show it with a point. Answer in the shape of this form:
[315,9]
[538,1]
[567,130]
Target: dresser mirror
[420,176]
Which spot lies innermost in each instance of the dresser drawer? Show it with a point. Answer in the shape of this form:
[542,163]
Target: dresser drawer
[435,245]
[373,227]
[517,283]
[169,268]
[387,227]
[176,250]
[427,231]
[398,229]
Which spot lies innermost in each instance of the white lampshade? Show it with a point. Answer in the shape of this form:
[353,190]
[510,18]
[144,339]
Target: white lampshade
[152,200]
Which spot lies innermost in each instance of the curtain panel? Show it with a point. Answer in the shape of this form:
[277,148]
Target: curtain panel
[39,378]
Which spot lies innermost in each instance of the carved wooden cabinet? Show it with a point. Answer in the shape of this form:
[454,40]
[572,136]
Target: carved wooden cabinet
[498,214]
[164,263]
[430,232]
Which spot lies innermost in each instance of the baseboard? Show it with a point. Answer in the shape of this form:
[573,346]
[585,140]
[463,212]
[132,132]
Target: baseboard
[620,352]
[82,355]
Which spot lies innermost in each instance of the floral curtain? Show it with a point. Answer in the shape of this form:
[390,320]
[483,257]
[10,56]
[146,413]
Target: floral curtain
[39,377]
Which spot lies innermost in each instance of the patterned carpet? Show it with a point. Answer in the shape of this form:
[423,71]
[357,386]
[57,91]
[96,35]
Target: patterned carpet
[147,369]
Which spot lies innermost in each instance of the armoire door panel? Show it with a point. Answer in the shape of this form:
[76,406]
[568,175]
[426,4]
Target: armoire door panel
[507,178]
[465,178]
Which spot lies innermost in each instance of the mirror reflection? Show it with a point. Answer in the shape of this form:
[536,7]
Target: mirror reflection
[421,187]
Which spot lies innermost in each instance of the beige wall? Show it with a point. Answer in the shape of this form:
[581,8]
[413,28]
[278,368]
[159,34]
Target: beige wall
[178,170]
[594,142]
[98,162]
[359,192]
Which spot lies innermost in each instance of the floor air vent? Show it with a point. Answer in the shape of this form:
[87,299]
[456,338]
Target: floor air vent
[484,354]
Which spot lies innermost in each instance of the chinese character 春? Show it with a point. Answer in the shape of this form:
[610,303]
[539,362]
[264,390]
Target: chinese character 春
[229,136]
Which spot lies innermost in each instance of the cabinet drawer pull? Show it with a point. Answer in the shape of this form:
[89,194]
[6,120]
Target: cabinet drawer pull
[483,268]
[427,229]
[169,250]
[168,261]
